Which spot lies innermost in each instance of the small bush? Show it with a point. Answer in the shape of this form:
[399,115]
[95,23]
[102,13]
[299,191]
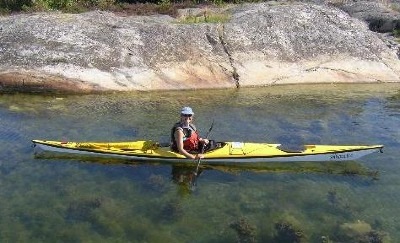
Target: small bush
[4,11]
[396,33]
[129,7]
[13,5]
[75,6]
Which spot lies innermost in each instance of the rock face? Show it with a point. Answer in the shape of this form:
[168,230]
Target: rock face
[306,43]
[261,44]
[380,18]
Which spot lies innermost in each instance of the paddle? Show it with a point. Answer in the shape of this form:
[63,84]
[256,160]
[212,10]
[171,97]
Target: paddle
[203,148]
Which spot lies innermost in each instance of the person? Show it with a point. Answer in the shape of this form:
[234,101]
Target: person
[185,138]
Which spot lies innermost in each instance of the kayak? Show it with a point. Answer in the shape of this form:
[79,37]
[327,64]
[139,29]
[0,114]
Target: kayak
[224,152]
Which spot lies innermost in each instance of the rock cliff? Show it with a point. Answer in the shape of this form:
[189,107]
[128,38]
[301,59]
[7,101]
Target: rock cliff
[260,44]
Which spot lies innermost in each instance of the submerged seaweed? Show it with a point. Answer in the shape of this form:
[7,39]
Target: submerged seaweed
[172,211]
[286,232]
[156,183]
[82,210]
[246,232]
[332,197]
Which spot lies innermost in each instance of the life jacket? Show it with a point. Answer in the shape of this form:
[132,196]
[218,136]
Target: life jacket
[190,137]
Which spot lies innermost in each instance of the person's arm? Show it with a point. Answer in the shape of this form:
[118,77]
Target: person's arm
[179,144]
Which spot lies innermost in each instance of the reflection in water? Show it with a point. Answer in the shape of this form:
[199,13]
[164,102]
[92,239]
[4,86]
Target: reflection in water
[185,173]
[338,168]
[392,104]
[185,178]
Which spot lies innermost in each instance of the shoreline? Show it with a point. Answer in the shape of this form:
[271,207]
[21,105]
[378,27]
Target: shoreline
[45,92]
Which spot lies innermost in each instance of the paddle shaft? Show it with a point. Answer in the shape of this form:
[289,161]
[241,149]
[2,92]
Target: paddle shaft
[203,147]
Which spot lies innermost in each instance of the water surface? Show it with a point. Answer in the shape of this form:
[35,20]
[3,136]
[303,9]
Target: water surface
[56,199]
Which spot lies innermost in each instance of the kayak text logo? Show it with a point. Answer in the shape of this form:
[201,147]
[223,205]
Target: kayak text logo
[341,156]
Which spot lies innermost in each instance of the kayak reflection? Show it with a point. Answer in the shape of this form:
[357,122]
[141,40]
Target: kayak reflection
[186,178]
[185,171]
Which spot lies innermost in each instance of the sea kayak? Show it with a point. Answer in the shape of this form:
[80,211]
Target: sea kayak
[225,152]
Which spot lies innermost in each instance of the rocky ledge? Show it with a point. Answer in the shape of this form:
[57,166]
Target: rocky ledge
[260,44]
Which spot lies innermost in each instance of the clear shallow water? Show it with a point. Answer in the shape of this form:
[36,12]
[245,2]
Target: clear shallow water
[49,200]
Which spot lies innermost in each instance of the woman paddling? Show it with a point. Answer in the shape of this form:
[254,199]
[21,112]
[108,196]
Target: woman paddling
[185,138]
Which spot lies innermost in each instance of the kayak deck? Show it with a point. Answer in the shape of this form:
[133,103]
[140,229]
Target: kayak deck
[231,152]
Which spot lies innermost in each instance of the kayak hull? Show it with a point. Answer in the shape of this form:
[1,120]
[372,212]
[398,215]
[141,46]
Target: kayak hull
[228,152]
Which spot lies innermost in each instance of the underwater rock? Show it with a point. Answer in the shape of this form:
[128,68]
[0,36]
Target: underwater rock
[362,232]
[355,229]
[246,232]
[325,239]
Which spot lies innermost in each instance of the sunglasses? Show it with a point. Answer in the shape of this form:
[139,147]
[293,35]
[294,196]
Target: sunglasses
[187,115]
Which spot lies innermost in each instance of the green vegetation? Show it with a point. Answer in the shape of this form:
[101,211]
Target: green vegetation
[396,33]
[77,6]
[129,7]
[8,6]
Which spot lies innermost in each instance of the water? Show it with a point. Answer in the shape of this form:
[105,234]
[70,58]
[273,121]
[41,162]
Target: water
[54,199]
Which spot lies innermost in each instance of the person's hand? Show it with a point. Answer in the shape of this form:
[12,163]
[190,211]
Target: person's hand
[204,140]
[199,156]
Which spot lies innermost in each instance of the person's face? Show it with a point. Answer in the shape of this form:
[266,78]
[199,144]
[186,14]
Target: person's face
[186,117]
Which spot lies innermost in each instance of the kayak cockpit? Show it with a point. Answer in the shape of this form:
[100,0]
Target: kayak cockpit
[292,148]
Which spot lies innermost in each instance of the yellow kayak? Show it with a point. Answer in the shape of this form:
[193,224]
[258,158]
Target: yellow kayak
[225,152]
